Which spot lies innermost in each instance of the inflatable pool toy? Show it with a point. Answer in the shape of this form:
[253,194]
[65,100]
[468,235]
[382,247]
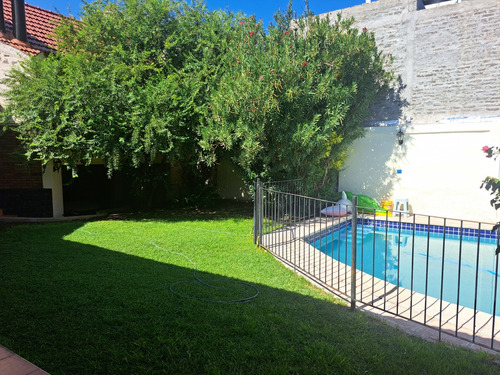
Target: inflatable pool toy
[334,211]
[341,208]
[365,202]
[345,202]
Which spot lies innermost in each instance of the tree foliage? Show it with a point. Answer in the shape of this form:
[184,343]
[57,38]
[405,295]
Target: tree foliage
[291,99]
[145,81]
[112,93]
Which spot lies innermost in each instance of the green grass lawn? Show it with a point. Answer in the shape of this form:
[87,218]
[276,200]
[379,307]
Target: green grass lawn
[95,298]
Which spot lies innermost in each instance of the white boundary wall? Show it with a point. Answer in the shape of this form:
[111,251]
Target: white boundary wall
[439,167]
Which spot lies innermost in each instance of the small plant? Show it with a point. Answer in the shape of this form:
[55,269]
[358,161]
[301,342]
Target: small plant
[492,185]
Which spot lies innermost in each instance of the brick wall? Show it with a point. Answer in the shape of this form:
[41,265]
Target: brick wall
[21,186]
[15,171]
[26,202]
[448,57]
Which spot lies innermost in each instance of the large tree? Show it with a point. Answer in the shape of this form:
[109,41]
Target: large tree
[138,83]
[114,91]
[292,98]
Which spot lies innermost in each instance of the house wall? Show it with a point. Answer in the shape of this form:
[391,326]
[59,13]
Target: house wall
[25,189]
[52,180]
[439,168]
[9,57]
[448,104]
[15,172]
[21,188]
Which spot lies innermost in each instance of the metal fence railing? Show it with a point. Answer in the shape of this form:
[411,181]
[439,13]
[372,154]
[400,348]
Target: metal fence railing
[439,272]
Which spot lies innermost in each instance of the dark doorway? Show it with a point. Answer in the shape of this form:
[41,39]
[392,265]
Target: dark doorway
[93,191]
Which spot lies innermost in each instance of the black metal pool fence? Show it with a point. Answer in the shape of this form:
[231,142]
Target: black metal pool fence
[446,280]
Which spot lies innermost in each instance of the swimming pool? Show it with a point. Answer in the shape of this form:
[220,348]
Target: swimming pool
[414,260]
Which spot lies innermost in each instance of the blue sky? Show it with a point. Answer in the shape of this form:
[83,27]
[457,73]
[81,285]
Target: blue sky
[260,8]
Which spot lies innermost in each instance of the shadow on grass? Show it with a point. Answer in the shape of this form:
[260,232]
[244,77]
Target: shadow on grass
[218,209]
[73,308]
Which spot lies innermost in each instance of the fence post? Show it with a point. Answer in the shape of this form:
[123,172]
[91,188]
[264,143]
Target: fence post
[261,211]
[354,235]
[255,204]
[257,213]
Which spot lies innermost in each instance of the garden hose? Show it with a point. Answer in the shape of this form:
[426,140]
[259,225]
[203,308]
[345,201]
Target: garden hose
[245,298]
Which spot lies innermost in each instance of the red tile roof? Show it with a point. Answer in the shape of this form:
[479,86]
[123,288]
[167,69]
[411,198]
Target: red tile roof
[39,24]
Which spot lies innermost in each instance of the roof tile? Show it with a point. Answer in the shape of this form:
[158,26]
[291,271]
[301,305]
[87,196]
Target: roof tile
[39,25]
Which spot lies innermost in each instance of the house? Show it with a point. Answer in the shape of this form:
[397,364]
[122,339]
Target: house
[32,190]
[447,105]
[26,189]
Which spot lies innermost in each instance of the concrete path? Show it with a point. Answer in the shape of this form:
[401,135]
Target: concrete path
[12,364]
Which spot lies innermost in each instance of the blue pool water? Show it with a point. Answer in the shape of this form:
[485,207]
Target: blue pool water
[378,252]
